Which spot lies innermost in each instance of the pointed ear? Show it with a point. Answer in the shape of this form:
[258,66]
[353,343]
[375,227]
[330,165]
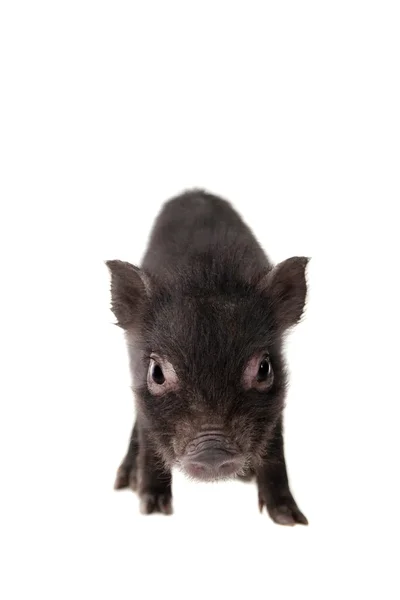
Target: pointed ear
[129,291]
[286,287]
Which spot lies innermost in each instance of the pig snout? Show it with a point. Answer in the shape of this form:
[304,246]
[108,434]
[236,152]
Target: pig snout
[211,456]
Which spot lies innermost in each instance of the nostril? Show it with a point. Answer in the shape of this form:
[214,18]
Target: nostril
[229,467]
[226,465]
[209,468]
[197,468]
[212,463]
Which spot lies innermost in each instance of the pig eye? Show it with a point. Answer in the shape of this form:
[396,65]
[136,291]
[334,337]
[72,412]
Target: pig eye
[258,373]
[157,374]
[264,370]
[161,376]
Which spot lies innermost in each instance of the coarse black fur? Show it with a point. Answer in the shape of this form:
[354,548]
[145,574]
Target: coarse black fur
[208,301]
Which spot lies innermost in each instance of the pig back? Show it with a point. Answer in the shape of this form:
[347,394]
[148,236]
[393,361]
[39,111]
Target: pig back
[198,235]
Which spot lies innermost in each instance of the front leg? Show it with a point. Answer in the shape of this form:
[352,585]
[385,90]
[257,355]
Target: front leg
[273,485]
[154,479]
[127,472]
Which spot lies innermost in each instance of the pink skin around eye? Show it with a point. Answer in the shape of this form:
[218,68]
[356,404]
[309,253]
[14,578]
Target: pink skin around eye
[251,372]
[171,379]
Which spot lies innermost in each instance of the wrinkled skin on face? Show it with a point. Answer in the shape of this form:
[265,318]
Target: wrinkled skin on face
[204,320]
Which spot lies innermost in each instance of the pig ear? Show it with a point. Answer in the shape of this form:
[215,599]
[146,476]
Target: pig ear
[130,289]
[286,287]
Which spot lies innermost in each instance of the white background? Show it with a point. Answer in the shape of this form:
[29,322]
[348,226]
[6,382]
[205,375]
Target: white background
[291,111]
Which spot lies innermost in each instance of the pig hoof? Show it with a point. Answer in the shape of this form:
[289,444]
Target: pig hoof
[285,512]
[287,515]
[126,477]
[155,502]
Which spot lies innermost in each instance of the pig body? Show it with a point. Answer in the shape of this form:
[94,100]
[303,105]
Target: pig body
[204,318]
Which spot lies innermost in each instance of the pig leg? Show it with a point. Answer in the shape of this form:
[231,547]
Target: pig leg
[154,479]
[273,485]
[127,472]
[142,471]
